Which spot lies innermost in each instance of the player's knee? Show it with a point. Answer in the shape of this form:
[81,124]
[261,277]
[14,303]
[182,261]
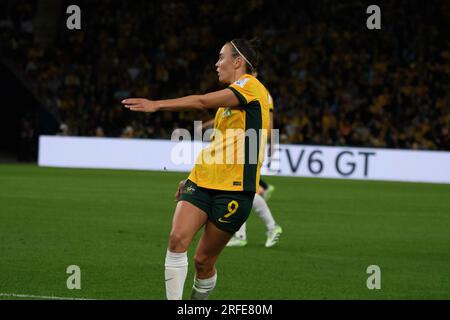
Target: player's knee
[177,242]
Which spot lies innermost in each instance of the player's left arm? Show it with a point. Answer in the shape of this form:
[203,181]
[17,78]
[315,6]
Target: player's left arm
[213,100]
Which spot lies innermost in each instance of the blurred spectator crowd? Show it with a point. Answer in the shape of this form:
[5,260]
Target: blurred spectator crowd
[334,82]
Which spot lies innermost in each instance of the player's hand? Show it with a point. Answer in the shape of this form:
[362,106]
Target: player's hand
[180,190]
[141,105]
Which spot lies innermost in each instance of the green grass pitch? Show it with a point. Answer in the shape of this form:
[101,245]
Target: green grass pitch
[114,225]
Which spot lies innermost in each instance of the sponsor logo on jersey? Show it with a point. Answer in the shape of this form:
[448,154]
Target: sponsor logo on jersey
[241,83]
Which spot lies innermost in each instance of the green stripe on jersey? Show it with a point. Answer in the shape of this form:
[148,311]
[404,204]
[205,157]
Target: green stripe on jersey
[253,120]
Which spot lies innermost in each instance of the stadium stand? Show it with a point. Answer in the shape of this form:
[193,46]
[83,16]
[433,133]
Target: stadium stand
[334,82]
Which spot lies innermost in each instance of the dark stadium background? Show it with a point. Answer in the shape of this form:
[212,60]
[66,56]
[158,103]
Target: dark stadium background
[334,81]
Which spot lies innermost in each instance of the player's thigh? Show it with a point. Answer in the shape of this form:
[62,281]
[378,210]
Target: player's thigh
[187,220]
[192,210]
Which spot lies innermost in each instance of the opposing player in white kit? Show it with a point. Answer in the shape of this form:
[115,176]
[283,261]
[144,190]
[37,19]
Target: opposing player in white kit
[260,206]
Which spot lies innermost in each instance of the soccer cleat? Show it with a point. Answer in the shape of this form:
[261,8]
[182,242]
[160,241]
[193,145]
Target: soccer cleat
[236,242]
[197,295]
[268,192]
[273,236]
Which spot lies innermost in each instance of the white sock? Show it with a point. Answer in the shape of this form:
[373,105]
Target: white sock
[176,270]
[242,232]
[261,208]
[203,287]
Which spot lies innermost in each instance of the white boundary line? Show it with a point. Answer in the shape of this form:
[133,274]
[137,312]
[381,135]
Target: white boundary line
[16,295]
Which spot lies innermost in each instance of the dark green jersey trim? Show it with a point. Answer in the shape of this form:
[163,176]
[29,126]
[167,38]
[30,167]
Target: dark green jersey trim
[253,120]
[241,98]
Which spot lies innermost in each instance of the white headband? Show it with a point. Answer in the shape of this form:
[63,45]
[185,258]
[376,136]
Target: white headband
[242,55]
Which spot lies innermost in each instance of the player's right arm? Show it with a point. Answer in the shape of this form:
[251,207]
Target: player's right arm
[213,100]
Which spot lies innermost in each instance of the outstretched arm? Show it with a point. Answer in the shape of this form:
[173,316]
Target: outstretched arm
[214,100]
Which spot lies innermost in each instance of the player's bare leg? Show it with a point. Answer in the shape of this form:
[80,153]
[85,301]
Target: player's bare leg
[208,250]
[187,220]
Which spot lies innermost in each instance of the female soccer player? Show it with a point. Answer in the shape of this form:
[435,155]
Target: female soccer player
[263,194]
[216,195]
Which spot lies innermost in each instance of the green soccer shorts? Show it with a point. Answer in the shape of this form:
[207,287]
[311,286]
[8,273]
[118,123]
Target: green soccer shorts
[228,210]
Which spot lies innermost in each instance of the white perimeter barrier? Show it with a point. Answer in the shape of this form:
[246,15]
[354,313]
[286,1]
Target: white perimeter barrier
[288,160]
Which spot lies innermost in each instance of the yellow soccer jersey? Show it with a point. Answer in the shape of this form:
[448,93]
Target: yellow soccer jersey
[232,161]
